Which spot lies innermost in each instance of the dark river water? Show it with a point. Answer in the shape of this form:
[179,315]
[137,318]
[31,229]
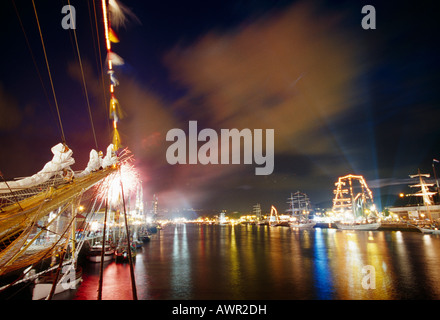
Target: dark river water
[190,261]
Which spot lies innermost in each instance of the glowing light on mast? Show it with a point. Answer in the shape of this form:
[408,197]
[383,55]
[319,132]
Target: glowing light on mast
[110,55]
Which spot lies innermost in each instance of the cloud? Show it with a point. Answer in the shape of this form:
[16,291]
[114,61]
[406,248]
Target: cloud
[292,71]
[143,129]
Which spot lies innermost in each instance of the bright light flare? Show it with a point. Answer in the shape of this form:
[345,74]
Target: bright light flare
[111,187]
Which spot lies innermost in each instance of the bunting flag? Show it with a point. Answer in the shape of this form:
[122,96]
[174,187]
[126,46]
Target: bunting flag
[113,79]
[115,59]
[117,14]
[116,138]
[112,36]
[115,109]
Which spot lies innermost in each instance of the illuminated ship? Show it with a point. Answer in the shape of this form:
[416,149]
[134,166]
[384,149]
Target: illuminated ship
[353,204]
[276,220]
[300,209]
[428,226]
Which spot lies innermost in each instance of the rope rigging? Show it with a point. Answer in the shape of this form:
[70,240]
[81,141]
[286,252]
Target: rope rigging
[63,138]
[35,65]
[84,82]
[98,57]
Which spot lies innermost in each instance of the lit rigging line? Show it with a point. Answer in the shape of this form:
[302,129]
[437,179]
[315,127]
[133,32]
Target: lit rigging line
[113,101]
[100,60]
[35,63]
[84,81]
[50,76]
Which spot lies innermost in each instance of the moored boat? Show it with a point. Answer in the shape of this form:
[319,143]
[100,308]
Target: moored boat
[300,207]
[358,226]
[354,204]
[95,253]
[302,225]
[121,253]
[428,226]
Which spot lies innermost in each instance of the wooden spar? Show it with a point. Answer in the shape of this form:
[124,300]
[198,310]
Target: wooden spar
[133,283]
[101,272]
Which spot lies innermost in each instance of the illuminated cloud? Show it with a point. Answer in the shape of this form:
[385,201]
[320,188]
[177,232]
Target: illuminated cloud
[293,71]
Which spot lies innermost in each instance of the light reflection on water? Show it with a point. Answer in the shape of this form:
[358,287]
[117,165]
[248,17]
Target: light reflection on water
[259,262]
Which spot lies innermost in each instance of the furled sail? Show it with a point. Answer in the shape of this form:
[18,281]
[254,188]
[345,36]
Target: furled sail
[62,160]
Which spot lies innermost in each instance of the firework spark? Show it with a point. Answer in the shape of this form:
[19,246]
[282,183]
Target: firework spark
[126,179]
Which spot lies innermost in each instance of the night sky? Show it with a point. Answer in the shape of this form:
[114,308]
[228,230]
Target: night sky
[341,99]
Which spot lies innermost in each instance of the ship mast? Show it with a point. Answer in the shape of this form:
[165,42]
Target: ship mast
[424,192]
[299,204]
[257,211]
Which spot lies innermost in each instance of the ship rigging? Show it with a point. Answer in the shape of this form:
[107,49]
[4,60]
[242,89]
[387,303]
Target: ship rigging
[39,214]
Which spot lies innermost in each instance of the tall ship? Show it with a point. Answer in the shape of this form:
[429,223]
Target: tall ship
[299,208]
[260,220]
[276,220]
[428,225]
[353,204]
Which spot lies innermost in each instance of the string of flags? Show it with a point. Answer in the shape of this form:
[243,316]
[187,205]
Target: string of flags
[116,14]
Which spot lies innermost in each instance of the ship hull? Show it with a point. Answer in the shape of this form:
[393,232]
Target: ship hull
[428,230]
[97,258]
[303,226]
[365,226]
[42,289]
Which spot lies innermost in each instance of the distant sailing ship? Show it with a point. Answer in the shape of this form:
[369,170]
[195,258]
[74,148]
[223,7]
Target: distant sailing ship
[353,204]
[95,253]
[426,194]
[275,220]
[261,221]
[300,209]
